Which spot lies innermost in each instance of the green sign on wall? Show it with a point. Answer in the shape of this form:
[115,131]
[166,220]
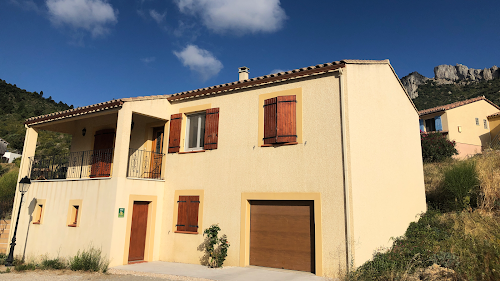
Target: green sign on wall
[121,212]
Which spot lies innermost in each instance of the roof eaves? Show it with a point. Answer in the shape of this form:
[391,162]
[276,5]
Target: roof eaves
[74,112]
[455,105]
[259,81]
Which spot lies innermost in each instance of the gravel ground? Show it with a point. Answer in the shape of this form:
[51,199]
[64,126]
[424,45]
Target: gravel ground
[119,275]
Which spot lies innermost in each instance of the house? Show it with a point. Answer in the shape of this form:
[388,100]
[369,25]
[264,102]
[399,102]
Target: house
[494,125]
[300,169]
[464,122]
[3,148]
[10,156]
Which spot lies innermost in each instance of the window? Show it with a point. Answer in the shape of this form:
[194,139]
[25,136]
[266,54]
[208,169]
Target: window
[37,215]
[477,121]
[201,131]
[195,132]
[280,121]
[485,124]
[187,214]
[74,216]
[430,125]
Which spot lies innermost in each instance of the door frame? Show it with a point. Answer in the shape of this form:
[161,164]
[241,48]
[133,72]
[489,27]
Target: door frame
[150,229]
[245,223]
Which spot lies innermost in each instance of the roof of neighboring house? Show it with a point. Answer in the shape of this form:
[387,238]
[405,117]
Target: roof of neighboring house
[454,105]
[494,115]
[213,90]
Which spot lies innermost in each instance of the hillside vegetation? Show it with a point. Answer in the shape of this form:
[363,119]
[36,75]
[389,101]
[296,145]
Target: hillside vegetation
[16,105]
[431,94]
[458,238]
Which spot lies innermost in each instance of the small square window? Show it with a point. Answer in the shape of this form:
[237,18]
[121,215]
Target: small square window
[195,132]
[477,121]
[485,124]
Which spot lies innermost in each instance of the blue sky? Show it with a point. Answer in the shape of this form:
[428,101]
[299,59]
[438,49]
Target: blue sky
[88,51]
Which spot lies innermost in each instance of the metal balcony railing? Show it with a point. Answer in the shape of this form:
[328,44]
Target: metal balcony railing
[73,165]
[145,164]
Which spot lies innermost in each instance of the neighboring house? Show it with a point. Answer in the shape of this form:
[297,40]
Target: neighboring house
[3,148]
[300,169]
[494,124]
[10,156]
[464,122]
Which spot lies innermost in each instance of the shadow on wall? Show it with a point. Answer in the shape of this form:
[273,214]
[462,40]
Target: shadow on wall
[31,210]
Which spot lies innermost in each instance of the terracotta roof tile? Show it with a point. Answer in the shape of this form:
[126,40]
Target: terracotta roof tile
[494,115]
[454,105]
[74,112]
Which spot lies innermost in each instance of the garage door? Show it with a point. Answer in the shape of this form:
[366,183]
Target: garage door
[282,234]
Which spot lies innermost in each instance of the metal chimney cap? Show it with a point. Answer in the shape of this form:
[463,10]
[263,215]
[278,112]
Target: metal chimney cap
[243,69]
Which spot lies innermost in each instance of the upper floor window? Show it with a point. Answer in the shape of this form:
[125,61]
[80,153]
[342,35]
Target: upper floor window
[280,121]
[195,131]
[477,121]
[485,124]
[201,131]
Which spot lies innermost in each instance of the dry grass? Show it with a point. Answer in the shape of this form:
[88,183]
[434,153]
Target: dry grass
[434,174]
[488,171]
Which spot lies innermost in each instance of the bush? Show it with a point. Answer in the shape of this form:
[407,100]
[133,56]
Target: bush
[56,263]
[460,186]
[89,260]
[215,247]
[25,266]
[436,147]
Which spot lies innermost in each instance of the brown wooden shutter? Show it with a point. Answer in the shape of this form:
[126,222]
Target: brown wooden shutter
[182,213]
[192,215]
[174,139]
[187,213]
[286,119]
[211,128]
[270,121]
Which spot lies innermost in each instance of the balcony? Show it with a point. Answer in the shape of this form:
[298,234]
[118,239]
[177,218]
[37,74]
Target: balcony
[145,164]
[73,165]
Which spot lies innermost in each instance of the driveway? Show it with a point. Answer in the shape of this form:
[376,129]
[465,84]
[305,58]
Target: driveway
[250,273]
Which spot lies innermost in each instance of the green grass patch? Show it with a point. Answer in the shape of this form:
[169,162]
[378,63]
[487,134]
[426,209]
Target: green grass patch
[89,260]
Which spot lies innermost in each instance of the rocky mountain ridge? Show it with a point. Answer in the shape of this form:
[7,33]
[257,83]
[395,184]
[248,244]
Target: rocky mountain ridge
[449,74]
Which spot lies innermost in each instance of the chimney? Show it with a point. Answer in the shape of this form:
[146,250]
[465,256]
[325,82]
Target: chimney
[243,71]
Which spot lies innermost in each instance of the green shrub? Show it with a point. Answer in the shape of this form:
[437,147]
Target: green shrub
[215,247]
[89,260]
[25,266]
[460,186]
[436,147]
[56,263]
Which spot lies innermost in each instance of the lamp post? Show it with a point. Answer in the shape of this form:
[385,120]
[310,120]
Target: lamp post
[24,185]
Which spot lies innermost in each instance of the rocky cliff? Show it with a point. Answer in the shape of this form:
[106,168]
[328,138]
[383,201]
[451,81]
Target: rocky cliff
[448,74]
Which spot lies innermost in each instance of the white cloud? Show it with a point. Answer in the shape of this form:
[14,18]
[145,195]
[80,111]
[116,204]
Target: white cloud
[238,16]
[277,71]
[148,60]
[200,61]
[93,16]
[159,18]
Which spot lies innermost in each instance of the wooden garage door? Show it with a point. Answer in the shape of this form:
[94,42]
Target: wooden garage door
[282,234]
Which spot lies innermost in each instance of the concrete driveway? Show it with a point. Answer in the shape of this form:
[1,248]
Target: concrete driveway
[249,273]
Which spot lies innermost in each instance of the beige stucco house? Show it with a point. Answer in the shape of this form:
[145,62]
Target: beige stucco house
[465,122]
[302,170]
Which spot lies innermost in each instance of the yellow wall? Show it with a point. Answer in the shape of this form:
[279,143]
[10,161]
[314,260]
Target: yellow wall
[465,116]
[386,163]
[240,165]
[494,126]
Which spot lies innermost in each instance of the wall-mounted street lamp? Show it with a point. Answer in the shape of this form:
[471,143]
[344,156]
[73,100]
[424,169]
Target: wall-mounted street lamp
[84,131]
[24,185]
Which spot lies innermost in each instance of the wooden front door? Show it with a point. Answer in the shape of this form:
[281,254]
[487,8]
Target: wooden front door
[102,155]
[156,153]
[282,234]
[138,231]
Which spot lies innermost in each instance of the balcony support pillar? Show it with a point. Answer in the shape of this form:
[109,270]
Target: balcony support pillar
[122,142]
[28,151]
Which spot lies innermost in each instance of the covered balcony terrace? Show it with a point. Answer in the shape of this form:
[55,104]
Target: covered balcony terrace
[107,141]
